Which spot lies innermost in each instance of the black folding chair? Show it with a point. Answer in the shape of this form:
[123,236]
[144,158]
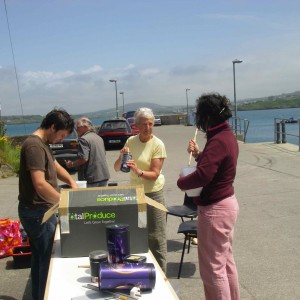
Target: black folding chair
[189,229]
[187,210]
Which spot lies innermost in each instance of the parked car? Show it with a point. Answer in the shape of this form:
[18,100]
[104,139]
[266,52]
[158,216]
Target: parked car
[132,124]
[66,150]
[115,133]
[129,114]
[157,121]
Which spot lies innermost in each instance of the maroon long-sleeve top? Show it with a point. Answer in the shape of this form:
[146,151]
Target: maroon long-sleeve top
[216,167]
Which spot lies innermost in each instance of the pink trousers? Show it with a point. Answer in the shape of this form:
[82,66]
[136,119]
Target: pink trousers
[215,235]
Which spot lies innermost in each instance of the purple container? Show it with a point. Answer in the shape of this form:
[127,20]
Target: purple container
[127,276]
[118,242]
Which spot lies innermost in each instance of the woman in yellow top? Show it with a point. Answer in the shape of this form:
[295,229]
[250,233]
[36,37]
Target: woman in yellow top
[148,155]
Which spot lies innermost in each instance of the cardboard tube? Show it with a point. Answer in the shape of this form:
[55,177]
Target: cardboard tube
[194,139]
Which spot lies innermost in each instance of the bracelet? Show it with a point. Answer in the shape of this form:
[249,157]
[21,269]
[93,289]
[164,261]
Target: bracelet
[141,174]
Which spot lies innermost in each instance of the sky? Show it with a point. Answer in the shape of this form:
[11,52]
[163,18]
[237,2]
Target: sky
[65,52]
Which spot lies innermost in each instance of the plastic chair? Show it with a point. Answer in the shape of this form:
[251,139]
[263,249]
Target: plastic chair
[187,210]
[189,229]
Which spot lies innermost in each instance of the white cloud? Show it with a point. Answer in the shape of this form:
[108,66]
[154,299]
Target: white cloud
[31,78]
[262,73]
[129,67]
[150,71]
[94,69]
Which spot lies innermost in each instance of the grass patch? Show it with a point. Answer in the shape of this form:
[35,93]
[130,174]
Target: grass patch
[9,154]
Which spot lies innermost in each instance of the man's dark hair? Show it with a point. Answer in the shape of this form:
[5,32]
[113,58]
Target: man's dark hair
[211,110]
[60,119]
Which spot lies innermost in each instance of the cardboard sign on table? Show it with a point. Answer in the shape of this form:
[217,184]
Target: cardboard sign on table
[85,212]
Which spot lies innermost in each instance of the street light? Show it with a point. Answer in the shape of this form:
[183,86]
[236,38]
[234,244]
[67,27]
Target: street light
[236,61]
[122,93]
[187,107]
[117,109]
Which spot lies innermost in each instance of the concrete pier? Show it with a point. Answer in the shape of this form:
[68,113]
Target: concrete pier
[267,234]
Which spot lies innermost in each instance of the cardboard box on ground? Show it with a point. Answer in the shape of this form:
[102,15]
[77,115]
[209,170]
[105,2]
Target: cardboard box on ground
[85,212]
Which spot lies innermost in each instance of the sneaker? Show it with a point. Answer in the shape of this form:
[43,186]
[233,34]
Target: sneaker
[194,241]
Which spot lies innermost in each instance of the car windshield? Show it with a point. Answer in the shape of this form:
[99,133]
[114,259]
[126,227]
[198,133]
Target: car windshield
[114,126]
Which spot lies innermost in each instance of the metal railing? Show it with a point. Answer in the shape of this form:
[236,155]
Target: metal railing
[280,132]
[239,127]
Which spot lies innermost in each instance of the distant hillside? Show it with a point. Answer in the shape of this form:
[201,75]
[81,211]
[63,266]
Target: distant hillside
[111,113]
[106,113]
[18,119]
[289,100]
[157,109]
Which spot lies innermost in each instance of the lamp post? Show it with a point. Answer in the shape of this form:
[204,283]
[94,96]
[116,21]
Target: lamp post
[236,61]
[187,107]
[122,93]
[117,109]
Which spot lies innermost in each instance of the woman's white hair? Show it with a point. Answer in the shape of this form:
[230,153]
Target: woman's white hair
[143,112]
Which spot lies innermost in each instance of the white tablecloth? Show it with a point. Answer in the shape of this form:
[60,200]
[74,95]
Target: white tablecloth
[67,278]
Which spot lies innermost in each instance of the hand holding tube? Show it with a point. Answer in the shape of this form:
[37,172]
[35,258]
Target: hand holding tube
[193,148]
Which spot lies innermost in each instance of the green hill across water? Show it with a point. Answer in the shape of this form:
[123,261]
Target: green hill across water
[273,102]
[290,100]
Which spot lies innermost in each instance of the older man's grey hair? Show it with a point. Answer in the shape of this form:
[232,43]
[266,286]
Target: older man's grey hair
[143,112]
[84,121]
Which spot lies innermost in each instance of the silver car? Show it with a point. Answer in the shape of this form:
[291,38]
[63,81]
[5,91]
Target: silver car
[157,121]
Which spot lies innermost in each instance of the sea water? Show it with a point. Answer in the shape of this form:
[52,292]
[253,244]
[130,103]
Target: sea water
[261,125]
[24,129]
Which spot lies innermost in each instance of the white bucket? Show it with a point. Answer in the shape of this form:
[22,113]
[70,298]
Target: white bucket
[193,192]
[81,184]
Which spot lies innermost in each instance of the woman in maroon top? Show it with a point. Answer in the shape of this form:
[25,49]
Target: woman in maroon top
[217,204]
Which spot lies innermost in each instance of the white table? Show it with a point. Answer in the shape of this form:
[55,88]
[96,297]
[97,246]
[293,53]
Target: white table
[66,280]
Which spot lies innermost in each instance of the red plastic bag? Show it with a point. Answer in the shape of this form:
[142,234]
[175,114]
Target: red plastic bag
[10,236]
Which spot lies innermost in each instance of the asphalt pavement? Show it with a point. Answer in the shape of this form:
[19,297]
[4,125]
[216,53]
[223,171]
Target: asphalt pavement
[267,233]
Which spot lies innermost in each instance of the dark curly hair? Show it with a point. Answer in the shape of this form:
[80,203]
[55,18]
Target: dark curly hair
[60,119]
[211,110]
